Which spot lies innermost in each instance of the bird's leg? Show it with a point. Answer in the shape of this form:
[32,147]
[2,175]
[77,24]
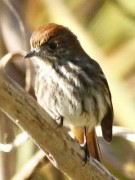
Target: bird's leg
[85,146]
[60,119]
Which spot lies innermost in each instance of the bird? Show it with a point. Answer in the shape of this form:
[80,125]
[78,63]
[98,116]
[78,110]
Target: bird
[71,86]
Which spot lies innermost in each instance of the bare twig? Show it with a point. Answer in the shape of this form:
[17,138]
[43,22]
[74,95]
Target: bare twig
[19,21]
[23,40]
[19,139]
[8,57]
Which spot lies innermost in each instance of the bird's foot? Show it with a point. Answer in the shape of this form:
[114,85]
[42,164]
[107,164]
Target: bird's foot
[87,154]
[60,119]
[85,147]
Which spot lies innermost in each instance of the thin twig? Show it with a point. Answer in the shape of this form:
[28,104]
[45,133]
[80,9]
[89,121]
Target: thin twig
[19,139]
[19,20]
[28,78]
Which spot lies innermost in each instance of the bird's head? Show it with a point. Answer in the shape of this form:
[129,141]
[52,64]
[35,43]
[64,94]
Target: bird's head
[54,42]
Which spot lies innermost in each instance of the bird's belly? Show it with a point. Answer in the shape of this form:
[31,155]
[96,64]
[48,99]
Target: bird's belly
[68,108]
[61,99]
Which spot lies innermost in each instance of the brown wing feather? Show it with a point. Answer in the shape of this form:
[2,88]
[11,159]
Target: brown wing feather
[107,121]
[106,125]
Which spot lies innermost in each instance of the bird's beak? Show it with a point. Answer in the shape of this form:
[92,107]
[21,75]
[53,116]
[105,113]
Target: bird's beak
[30,54]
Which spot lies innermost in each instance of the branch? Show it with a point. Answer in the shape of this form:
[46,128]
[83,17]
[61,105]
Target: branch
[64,152]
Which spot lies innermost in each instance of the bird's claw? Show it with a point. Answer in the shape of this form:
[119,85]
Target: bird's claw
[87,154]
[61,121]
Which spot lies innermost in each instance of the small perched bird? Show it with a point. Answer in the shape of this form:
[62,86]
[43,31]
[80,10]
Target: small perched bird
[71,86]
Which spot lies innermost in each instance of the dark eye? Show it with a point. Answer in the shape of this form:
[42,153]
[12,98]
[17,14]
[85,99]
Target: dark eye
[53,45]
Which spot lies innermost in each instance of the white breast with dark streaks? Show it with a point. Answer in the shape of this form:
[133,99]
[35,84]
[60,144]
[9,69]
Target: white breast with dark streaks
[60,98]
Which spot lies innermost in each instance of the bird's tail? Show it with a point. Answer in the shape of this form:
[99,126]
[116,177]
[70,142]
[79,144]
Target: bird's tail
[91,140]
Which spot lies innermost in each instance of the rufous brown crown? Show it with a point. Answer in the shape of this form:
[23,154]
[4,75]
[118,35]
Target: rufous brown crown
[46,32]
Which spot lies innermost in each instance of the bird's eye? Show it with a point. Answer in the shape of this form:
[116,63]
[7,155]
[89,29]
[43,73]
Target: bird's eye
[53,45]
